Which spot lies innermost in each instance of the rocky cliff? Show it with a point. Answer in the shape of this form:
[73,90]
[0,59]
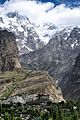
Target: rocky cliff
[8,51]
[24,86]
[19,83]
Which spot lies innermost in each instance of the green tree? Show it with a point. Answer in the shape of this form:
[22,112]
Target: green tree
[7,116]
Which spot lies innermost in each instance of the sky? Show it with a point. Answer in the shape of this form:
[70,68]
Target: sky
[2,1]
[41,13]
[54,1]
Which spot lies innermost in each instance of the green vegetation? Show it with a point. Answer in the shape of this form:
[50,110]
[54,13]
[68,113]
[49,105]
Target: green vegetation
[51,111]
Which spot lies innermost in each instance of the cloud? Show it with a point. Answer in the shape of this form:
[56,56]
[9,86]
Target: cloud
[41,13]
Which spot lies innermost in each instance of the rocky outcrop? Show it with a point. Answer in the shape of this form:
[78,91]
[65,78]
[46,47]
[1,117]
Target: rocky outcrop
[24,86]
[8,51]
[58,56]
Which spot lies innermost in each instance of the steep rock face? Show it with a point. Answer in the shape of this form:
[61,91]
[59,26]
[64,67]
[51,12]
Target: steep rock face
[71,81]
[8,51]
[58,56]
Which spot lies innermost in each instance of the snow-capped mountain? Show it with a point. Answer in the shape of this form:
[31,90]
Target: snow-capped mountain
[26,36]
[29,36]
[35,23]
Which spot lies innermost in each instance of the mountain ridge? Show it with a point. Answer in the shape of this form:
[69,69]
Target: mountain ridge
[57,57]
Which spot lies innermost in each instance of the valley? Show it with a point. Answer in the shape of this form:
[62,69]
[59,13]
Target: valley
[39,60]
